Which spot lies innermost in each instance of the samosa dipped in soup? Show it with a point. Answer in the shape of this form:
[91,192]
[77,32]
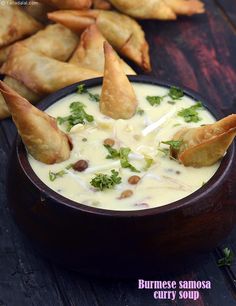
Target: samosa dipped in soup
[118,99]
[205,145]
[39,131]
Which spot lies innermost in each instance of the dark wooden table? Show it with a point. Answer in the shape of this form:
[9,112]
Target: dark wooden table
[197,52]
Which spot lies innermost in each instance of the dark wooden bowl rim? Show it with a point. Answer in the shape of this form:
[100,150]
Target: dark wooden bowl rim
[196,196]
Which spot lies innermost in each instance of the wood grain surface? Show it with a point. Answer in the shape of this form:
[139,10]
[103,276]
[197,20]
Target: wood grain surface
[197,52]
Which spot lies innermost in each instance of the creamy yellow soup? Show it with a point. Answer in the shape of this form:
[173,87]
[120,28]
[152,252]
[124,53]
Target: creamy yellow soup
[161,180]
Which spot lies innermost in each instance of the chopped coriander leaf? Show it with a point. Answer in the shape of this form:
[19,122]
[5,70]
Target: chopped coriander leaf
[190,114]
[140,111]
[122,154]
[175,93]
[113,153]
[174,144]
[78,115]
[54,175]
[94,97]
[81,89]
[124,161]
[149,162]
[154,100]
[227,260]
[104,181]
[171,102]
[84,139]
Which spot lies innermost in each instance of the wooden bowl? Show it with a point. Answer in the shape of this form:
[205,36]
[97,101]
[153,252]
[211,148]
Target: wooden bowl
[120,243]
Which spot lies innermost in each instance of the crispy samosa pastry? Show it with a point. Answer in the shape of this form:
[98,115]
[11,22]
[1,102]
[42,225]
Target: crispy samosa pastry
[158,9]
[205,145]
[55,41]
[118,99]
[121,31]
[101,5]
[3,54]
[4,112]
[15,24]
[42,74]
[38,130]
[90,54]
[68,4]
[20,89]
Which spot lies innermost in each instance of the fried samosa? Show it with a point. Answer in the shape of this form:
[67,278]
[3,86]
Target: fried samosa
[101,5]
[158,9]
[3,54]
[205,145]
[15,24]
[118,99]
[41,74]
[68,4]
[121,31]
[90,54]
[20,89]
[38,130]
[55,41]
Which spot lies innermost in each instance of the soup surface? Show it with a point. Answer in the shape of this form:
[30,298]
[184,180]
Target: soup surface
[133,170]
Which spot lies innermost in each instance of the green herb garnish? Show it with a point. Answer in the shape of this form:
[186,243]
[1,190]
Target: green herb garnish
[190,114]
[81,89]
[175,93]
[124,161]
[122,154]
[94,97]
[140,111]
[154,100]
[104,181]
[78,115]
[84,139]
[174,144]
[227,260]
[54,175]
[113,153]
[171,102]
[149,162]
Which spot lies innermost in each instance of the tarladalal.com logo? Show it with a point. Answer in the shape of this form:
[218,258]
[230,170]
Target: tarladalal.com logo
[173,290]
[19,3]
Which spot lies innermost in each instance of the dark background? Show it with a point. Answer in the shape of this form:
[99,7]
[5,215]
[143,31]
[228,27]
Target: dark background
[197,52]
